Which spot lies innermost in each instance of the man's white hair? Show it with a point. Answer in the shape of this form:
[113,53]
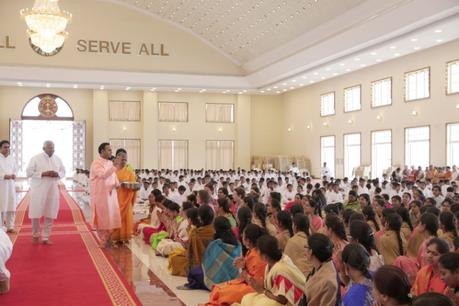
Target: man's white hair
[48,142]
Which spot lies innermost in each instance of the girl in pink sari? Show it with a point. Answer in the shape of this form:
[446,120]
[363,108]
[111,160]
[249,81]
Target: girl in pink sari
[315,221]
[335,230]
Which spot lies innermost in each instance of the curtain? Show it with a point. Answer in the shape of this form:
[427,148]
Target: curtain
[173,154]
[132,146]
[173,111]
[219,112]
[124,110]
[220,154]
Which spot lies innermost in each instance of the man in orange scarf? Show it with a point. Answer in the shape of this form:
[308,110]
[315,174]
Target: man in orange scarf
[126,198]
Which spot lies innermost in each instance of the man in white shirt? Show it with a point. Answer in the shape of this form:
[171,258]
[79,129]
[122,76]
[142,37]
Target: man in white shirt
[45,171]
[437,196]
[325,172]
[294,169]
[7,187]
[288,193]
[334,196]
[6,248]
[145,190]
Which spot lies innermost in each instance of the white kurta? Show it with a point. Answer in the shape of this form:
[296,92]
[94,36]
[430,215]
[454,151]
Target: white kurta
[6,247]
[44,191]
[7,187]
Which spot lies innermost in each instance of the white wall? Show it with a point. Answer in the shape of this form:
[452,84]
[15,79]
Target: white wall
[302,107]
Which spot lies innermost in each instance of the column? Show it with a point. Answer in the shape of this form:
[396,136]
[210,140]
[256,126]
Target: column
[243,115]
[149,130]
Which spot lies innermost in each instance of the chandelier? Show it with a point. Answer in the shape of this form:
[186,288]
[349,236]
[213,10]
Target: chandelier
[46,24]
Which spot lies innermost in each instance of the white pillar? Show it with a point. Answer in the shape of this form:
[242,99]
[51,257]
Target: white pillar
[100,122]
[149,130]
[243,114]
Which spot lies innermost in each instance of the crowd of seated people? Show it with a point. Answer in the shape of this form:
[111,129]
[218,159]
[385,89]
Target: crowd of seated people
[245,237]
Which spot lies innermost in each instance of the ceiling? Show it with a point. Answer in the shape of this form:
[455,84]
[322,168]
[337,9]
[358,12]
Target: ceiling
[245,29]
[332,38]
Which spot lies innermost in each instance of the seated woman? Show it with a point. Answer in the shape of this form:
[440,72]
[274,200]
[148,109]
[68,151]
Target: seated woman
[428,278]
[433,298]
[295,245]
[260,218]
[422,234]
[178,235]
[392,244]
[273,208]
[361,233]
[217,261]
[170,218]
[200,235]
[223,209]
[407,227]
[371,219]
[356,261]
[448,228]
[391,287]
[336,231]
[284,226]
[322,286]
[283,282]
[448,265]
[152,223]
[252,266]
[6,248]
[311,211]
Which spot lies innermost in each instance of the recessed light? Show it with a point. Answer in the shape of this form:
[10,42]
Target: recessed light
[292,87]
[392,47]
[312,81]
[438,31]
[414,39]
[202,90]
[245,90]
[327,69]
[378,117]
[341,64]
[153,89]
[293,81]
[239,92]
[20,84]
[348,69]
[350,121]
[439,40]
[262,91]
[48,85]
[308,126]
[373,53]
[289,129]
[75,86]
[101,87]
[284,84]
[304,76]
[316,73]
[357,59]
[284,90]
[417,48]
[322,78]
[363,65]
[275,87]
[414,113]
[325,123]
[397,54]
[379,60]
[335,73]
[278,92]
[128,88]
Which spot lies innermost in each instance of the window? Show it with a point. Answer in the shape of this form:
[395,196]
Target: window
[381,152]
[132,147]
[417,146]
[417,84]
[124,110]
[219,112]
[327,104]
[351,153]
[453,77]
[219,154]
[173,111]
[173,154]
[381,92]
[327,152]
[352,99]
[452,140]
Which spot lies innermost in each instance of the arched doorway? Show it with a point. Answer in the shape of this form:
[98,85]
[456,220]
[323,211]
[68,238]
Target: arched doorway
[48,117]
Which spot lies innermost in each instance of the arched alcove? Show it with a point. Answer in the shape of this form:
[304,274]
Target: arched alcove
[47,106]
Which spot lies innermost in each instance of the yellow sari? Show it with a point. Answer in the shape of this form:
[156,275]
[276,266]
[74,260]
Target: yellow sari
[126,200]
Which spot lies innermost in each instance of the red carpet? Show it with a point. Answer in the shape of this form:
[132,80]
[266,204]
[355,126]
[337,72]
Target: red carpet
[73,271]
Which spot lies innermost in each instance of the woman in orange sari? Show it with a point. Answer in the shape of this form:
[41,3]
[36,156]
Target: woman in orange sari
[126,199]
[252,267]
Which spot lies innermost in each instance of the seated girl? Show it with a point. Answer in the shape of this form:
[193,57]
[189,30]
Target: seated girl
[170,218]
[296,244]
[177,234]
[152,223]
[252,266]
[223,209]
[283,282]
[217,261]
[284,227]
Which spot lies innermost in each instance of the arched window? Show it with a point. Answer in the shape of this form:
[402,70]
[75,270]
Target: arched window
[47,107]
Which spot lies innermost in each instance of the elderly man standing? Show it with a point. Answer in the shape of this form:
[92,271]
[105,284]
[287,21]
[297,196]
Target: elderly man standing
[45,171]
[104,199]
[7,187]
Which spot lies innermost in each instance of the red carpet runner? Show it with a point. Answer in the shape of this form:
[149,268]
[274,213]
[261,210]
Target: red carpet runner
[73,271]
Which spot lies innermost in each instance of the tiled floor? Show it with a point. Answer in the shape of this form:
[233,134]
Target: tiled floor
[148,274]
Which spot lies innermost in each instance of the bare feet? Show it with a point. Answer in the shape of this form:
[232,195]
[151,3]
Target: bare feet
[35,240]
[47,242]
[11,231]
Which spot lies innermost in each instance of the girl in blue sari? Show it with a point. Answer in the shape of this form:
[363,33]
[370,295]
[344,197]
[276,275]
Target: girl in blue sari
[217,262]
[356,261]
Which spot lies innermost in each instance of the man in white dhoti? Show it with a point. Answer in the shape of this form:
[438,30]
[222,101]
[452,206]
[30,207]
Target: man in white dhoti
[6,248]
[45,170]
[7,187]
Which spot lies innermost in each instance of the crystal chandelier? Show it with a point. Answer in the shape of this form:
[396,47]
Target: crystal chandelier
[46,24]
